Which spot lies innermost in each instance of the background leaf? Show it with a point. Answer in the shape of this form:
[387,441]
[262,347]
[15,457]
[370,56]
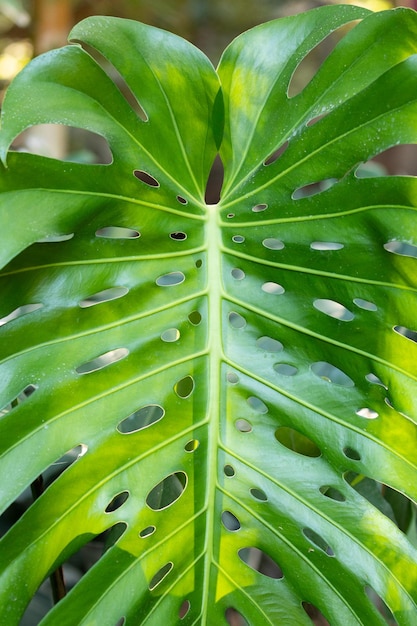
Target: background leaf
[233,386]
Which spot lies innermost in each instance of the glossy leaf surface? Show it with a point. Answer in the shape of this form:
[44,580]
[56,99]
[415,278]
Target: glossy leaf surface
[236,382]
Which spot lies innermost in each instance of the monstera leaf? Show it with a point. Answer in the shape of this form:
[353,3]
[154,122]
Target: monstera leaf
[230,387]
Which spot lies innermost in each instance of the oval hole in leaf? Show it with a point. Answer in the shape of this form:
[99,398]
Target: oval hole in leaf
[381,605]
[195,318]
[332,493]
[160,575]
[232,378]
[236,320]
[170,335]
[229,471]
[276,154]
[269,345]
[402,248]
[104,296]
[102,361]
[273,244]
[259,208]
[285,369]
[182,200]
[365,304]
[144,417]
[230,216]
[117,232]
[312,189]
[82,146]
[19,312]
[234,618]
[166,492]
[297,442]
[351,453]
[331,374]
[374,380]
[367,413]
[17,400]
[273,288]
[121,622]
[258,494]
[192,445]
[117,501]
[184,609]
[243,426]
[318,541]
[147,532]
[257,405]
[333,309]
[117,78]
[63,463]
[238,274]
[178,236]
[230,521]
[56,238]
[261,562]
[406,332]
[238,238]
[326,245]
[308,65]
[314,614]
[199,263]
[172,278]
[184,387]
[146,178]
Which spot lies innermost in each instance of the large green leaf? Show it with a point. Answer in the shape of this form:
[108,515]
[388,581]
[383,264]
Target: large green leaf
[242,375]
